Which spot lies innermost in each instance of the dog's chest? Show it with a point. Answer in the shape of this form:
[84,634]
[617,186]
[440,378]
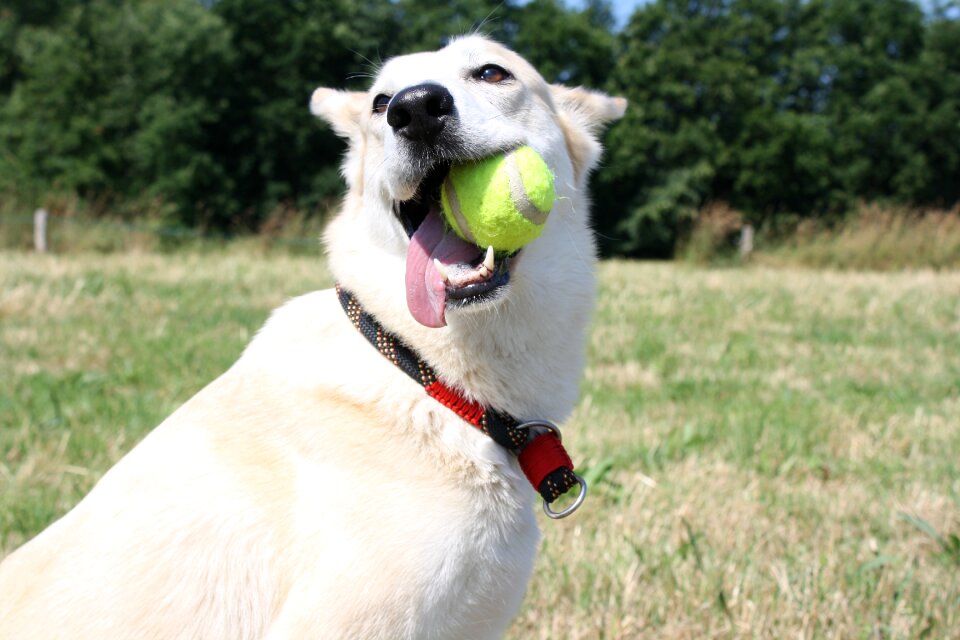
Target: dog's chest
[413,552]
[468,578]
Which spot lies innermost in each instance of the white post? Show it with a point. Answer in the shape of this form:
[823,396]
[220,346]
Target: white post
[746,240]
[40,230]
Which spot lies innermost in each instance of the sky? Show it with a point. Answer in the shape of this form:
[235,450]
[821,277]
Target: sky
[623,8]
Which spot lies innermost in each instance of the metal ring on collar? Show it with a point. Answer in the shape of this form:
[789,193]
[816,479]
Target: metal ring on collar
[556,515]
[546,424]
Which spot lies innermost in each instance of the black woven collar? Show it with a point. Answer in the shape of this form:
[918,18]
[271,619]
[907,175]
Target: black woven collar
[503,428]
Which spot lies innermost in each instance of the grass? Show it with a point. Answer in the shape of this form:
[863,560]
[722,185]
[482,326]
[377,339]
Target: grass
[772,452]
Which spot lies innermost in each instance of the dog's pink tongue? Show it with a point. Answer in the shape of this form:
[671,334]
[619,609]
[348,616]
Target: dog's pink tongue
[426,290]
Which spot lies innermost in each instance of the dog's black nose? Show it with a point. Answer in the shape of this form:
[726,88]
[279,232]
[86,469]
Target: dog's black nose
[420,112]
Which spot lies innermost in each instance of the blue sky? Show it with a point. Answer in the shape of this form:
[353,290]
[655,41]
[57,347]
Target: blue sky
[623,8]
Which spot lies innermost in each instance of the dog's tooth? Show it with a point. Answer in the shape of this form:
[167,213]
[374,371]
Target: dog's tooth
[488,261]
[442,269]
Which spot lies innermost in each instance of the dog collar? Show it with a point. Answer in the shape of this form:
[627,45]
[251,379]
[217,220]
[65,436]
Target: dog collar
[536,443]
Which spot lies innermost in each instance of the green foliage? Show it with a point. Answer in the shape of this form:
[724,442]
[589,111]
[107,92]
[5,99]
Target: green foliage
[268,142]
[121,100]
[15,15]
[776,107]
[422,25]
[565,46]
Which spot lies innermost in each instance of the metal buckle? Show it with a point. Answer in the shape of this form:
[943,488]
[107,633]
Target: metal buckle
[556,515]
[546,424]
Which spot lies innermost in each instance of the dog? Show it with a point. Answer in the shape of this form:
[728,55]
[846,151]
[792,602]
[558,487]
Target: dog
[314,490]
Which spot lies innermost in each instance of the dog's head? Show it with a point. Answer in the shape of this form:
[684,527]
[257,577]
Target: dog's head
[425,111]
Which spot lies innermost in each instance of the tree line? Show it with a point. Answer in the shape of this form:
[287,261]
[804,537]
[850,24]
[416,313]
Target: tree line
[780,108]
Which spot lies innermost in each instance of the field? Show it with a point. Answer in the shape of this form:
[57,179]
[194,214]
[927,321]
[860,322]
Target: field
[772,453]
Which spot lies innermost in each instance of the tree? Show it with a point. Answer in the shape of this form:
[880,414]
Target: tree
[938,75]
[15,16]
[118,100]
[267,140]
[566,46]
[777,106]
[693,72]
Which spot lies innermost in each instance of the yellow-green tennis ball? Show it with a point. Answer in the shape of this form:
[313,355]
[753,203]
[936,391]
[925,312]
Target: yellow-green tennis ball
[502,201]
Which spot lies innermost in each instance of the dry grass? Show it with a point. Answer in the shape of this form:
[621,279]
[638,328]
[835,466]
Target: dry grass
[714,234]
[875,237]
[76,227]
[772,453]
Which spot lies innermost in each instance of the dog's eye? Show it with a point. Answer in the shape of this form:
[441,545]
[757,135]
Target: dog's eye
[380,103]
[492,73]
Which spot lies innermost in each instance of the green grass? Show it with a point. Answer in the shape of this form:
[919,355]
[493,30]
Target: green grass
[772,453]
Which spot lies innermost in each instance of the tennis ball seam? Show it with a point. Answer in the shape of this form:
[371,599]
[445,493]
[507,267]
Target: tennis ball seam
[518,191]
[453,203]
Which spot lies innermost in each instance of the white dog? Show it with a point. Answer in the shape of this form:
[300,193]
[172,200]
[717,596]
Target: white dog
[315,490]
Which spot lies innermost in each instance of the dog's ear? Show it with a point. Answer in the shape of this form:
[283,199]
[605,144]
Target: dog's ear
[342,109]
[582,114]
[591,109]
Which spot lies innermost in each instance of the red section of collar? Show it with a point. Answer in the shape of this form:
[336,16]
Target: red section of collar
[542,456]
[470,411]
[538,458]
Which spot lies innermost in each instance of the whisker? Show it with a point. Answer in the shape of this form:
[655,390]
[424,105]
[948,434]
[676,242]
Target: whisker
[374,66]
[478,30]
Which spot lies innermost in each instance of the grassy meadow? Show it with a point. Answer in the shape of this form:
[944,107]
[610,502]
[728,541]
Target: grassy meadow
[772,453]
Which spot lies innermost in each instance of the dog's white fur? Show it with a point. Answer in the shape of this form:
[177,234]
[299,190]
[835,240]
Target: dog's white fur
[313,490]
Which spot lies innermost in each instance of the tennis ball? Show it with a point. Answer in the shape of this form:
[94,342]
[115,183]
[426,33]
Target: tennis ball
[501,201]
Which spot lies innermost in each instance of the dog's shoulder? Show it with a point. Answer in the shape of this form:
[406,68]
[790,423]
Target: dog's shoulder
[305,324]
